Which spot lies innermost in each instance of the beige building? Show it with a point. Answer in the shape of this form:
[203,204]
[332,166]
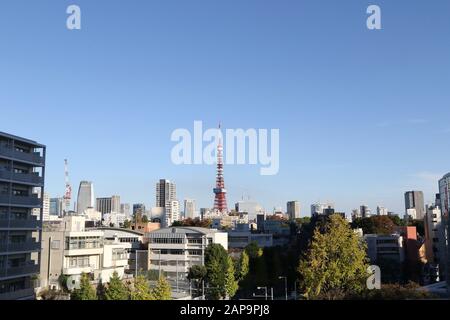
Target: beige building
[69,249]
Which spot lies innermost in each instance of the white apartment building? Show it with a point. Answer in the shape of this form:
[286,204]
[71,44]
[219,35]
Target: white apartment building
[174,250]
[171,213]
[69,249]
[435,239]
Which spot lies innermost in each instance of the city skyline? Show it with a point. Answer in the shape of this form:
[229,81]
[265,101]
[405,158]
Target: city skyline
[358,125]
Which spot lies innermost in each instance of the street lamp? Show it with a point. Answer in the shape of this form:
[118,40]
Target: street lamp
[285,286]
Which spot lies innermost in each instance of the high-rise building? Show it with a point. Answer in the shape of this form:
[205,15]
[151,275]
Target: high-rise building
[85,196]
[166,192]
[382,211]
[365,211]
[172,213]
[414,200]
[22,172]
[435,242]
[108,205]
[319,208]
[293,209]
[252,208]
[189,208]
[125,209]
[56,206]
[46,207]
[444,192]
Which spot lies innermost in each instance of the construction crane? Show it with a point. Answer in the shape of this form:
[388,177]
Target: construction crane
[68,190]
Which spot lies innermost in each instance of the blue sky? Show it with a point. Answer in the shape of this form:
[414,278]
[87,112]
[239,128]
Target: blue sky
[363,115]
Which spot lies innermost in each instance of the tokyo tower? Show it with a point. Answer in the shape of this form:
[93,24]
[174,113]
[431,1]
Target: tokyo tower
[220,202]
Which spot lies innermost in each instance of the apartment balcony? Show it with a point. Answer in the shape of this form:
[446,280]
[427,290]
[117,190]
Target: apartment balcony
[19,271]
[76,270]
[20,224]
[29,178]
[18,294]
[32,157]
[31,201]
[27,246]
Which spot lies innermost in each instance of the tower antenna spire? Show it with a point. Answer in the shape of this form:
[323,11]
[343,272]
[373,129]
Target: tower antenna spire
[220,200]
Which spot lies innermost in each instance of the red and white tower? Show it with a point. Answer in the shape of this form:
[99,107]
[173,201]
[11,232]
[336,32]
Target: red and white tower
[220,202]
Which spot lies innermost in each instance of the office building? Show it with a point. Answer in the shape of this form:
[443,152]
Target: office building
[319,208]
[293,210]
[56,206]
[382,211]
[382,247]
[22,172]
[189,209]
[85,196]
[252,208]
[414,200]
[126,210]
[108,205]
[365,211]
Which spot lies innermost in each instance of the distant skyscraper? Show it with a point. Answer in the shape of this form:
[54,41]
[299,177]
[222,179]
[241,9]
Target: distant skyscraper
[293,209]
[56,206]
[166,192]
[252,208]
[125,209]
[189,208]
[414,200]
[108,205]
[85,196]
[382,211]
[319,208]
[365,211]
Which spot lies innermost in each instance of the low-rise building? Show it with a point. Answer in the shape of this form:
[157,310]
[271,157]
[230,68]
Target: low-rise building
[381,247]
[174,250]
[68,250]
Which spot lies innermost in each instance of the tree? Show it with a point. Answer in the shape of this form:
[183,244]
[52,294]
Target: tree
[141,289]
[231,284]
[144,219]
[253,250]
[410,291]
[217,266]
[335,263]
[162,291]
[86,290]
[375,225]
[242,266]
[116,289]
[127,224]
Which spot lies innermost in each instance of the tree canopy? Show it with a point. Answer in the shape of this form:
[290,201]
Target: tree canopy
[335,263]
[86,290]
